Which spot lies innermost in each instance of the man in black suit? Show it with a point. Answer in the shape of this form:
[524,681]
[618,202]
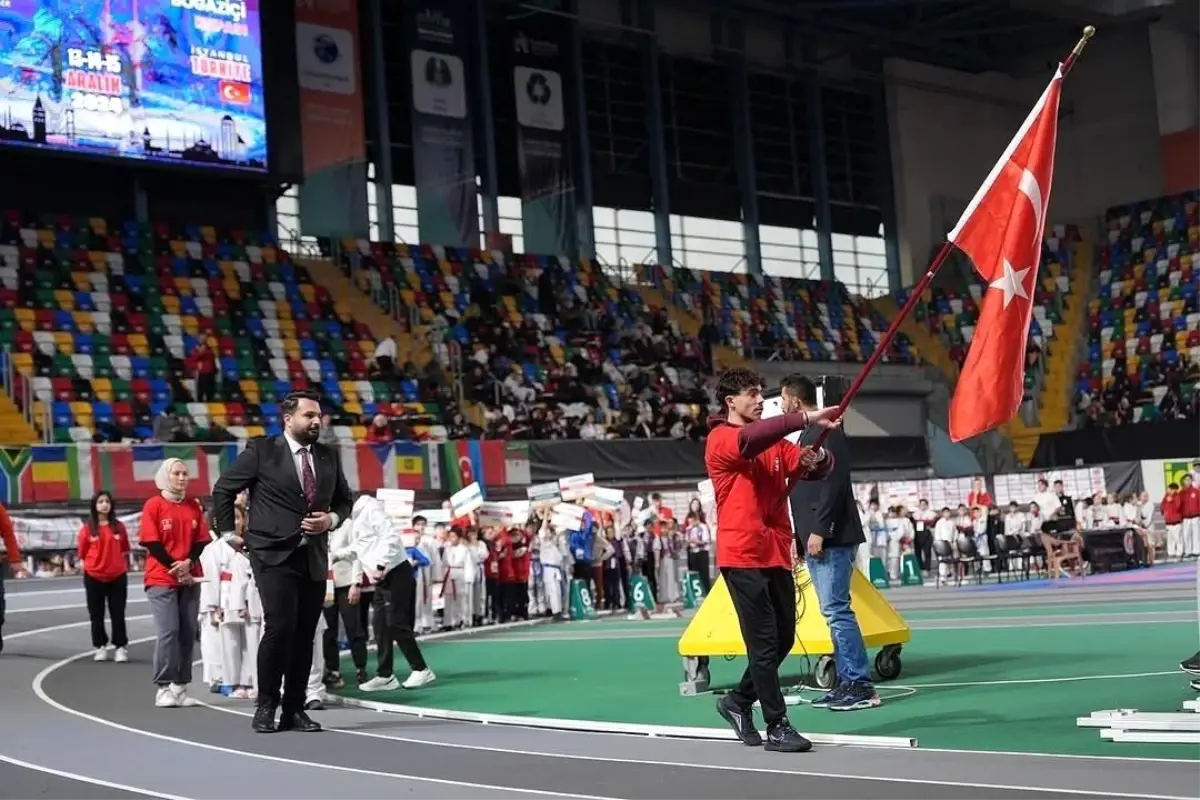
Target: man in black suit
[828,535]
[298,493]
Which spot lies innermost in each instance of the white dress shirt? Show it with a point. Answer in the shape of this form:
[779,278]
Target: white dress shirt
[298,461]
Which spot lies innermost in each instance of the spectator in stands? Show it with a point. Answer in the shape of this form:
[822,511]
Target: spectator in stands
[174,534]
[202,366]
[103,549]
[12,562]
[380,431]
[384,358]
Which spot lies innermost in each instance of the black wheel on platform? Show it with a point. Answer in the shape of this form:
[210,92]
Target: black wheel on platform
[887,663]
[825,673]
[702,673]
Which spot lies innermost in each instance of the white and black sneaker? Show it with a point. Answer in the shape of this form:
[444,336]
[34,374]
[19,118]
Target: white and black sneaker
[1191,665]
[380,684]
[1196,684]
[419,678]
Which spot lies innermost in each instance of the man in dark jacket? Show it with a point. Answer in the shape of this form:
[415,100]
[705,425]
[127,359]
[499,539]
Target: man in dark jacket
[828,534]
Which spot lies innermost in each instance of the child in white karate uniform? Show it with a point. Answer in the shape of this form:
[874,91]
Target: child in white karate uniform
[456,591]
[550,555]
[237,669]
[210,618]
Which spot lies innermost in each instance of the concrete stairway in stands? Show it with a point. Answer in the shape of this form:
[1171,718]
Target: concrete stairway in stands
[1057,393]
[358,302]
[689,323]
[929,348]
[14,429]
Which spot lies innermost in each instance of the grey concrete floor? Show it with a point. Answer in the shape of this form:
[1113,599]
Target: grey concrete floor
[71,728]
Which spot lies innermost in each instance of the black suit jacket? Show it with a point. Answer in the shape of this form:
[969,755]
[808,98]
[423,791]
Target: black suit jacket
[277,504]
[827,507]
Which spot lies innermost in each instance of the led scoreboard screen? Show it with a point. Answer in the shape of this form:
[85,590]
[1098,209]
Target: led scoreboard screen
[176,81]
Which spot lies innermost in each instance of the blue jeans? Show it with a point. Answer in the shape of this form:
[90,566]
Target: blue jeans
[831,578]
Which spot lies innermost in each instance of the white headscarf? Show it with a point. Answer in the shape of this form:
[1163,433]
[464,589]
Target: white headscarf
[162,479]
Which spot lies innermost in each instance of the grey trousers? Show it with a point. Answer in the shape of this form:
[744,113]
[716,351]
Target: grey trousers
[176,620]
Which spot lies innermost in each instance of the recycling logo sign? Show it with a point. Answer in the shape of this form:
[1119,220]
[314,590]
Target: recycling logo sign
[539,98]
[538,89]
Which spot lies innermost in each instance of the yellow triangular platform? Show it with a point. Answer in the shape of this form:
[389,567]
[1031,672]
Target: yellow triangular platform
[714,630]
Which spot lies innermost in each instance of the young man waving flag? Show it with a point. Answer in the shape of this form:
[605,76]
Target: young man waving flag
[1001,231]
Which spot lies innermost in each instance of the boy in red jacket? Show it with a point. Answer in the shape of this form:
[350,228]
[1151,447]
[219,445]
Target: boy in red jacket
[751,468]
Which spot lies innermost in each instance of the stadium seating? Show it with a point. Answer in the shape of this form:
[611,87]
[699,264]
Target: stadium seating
[442,286]
[1144,322]
[755,316]
[100,318]
[951,313]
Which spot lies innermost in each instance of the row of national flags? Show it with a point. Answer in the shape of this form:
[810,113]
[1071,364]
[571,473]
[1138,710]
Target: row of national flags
[54,473]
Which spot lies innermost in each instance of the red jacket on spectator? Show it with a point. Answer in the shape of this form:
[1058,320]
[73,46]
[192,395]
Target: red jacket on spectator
[504,556]
[522,557]
[1189,502]
[979,499]
[491,565]
[104,552]
[1172,508]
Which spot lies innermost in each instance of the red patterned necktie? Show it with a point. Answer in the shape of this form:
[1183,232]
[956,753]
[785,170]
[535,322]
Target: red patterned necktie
[308,479]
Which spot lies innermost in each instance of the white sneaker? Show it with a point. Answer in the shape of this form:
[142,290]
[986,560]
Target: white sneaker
[179,691]
[378,684]
[419,678]
[165,698]
[121,656]
[101,654]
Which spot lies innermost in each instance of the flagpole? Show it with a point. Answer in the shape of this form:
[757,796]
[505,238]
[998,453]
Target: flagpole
[918,290]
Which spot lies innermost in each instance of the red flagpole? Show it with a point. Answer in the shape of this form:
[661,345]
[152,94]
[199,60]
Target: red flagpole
[927,278]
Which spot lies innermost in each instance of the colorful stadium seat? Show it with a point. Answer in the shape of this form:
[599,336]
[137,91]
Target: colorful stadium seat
[754,315]
[100,319]
[1144,322]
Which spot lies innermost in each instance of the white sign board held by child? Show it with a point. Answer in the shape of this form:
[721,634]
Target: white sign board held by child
[605,499]
[577,487]
[543,495]
[466,500]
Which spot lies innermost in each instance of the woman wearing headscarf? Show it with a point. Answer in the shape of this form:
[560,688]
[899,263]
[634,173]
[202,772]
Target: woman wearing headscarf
[104,553]
[174,534]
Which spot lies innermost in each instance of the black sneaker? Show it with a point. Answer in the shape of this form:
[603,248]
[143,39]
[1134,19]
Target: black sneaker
[740,719]
[361,677]
[783,738]
[1196,684]
[856,696]
[1191,665]
[830,697]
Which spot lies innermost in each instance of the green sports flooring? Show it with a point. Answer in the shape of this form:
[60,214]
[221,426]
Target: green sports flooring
[1009,688]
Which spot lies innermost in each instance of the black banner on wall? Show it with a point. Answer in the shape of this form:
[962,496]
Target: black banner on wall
[439,36]
[539,67]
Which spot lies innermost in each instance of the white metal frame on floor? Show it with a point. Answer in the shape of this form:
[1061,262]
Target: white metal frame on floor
[1130,725]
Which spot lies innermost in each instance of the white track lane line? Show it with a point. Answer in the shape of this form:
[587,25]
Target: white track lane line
[70,607]
[39,690]
[75,776]
[65,627]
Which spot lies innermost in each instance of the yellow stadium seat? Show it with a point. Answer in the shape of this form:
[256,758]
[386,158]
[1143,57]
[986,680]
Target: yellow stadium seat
[99,226]
[46,239]
[178,248]
[359,432]
[140,345]
[81,409]
[65,342]
[254,431]
[183,287]
[308,292]
[208,234]
[82,283]
[170,304]
[103,389]
[352,407]
[349,390]
[25,318]
[191,326]
[23,363]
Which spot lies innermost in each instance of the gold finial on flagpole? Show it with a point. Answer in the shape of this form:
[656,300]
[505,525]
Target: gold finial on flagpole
[1088,32]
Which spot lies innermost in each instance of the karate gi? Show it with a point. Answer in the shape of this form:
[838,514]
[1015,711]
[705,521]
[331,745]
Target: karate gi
[210,617]
[550,556]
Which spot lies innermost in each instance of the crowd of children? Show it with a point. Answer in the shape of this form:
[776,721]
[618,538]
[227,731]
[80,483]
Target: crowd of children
[899,531]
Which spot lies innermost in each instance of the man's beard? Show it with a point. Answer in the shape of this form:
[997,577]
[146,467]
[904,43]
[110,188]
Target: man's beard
[307,436]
